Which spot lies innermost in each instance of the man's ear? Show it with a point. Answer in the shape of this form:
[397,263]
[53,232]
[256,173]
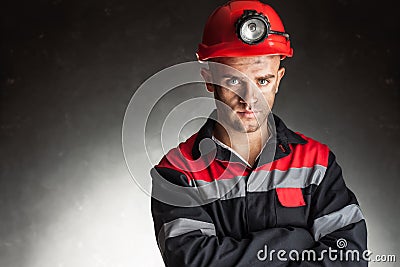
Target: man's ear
[281,73]
[208,79]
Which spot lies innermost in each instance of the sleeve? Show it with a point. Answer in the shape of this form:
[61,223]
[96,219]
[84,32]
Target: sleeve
[186,234]
[338,225]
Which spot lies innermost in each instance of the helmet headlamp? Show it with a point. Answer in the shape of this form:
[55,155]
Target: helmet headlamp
[253,28]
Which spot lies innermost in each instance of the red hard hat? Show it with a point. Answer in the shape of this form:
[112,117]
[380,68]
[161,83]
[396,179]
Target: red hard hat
[222,37]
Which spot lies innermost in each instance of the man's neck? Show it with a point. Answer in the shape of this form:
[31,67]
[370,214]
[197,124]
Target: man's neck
[247,145]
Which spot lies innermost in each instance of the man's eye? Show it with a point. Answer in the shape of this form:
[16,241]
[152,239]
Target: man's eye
[263,81]
[233,81]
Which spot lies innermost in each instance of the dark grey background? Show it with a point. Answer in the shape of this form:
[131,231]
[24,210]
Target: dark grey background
[69,69]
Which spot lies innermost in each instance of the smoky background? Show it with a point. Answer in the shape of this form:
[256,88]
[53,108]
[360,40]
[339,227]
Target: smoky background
[69,68]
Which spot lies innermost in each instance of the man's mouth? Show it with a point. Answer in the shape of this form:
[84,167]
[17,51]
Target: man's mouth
[247,113]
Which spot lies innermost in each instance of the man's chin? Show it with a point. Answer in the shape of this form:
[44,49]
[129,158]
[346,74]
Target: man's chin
[251,128]
[247,127]
[243,125]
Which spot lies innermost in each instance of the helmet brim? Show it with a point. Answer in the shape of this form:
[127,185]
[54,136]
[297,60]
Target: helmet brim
[244,50]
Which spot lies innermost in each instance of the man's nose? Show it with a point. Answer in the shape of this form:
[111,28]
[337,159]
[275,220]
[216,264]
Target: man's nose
[249,94]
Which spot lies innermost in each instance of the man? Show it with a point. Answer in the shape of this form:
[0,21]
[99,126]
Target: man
[264,189]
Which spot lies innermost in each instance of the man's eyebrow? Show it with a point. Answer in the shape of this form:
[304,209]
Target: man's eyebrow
[268,76]
[232,76]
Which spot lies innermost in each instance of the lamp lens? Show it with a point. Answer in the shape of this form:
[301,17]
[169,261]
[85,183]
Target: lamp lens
[253,30]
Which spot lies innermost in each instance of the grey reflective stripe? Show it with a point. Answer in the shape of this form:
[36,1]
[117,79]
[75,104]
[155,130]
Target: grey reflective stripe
[260,181]
[222,189]
[333,221]
[182,226]
[294,177]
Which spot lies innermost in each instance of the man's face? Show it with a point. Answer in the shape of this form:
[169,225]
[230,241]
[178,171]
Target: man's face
[245,89]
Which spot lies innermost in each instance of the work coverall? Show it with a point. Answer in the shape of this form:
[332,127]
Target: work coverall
[295,200]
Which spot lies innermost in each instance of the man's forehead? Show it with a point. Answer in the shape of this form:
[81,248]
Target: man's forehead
[253,60]
[239,66]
